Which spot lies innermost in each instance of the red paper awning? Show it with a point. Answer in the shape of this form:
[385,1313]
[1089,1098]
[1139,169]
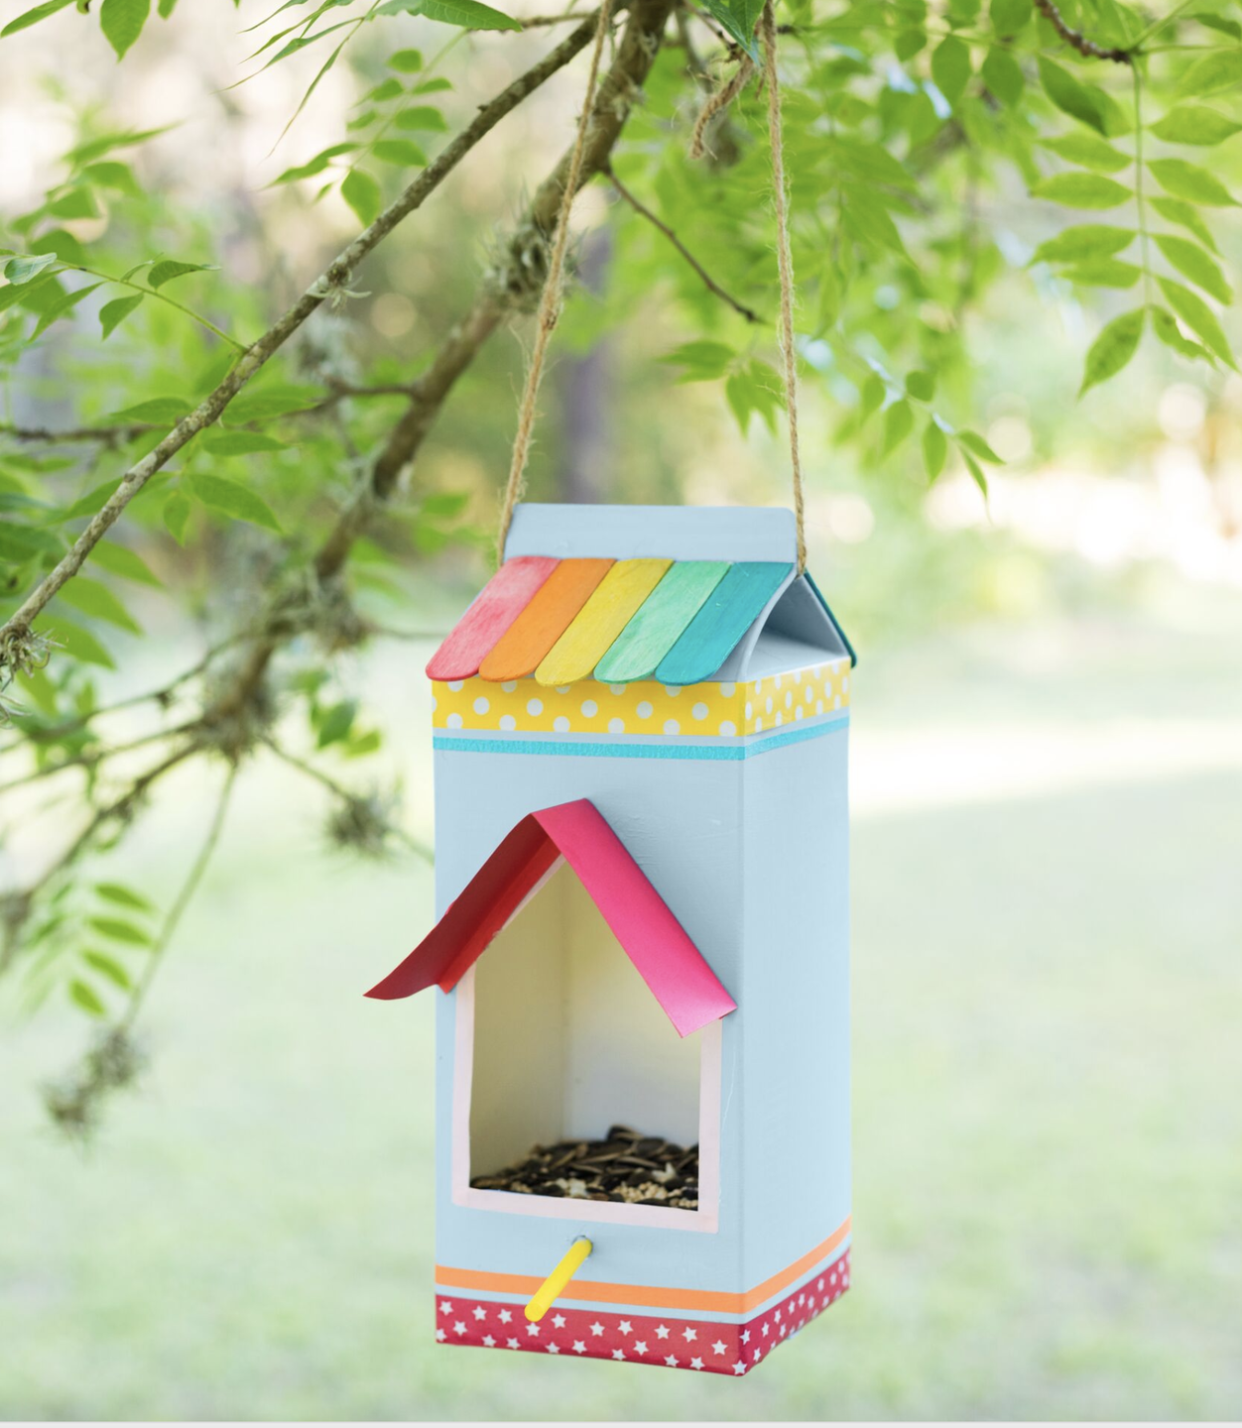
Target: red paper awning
[671,965]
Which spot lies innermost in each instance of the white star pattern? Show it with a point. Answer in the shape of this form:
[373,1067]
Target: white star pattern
[642,1338]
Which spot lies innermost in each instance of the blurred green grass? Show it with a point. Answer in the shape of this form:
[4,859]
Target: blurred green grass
[1048,1138]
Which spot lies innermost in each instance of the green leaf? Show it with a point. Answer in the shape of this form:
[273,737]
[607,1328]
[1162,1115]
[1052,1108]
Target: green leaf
[1221,70]
[976,471]
[1167,330]
[1009,16]
[114,175]
[1003,76]
[273,400]
[1188,217]
[406,61]
[1192,262]
[1077,190]
[232,499]
[1084,102]
[239,443]
[157,409]
[113,313]
[63,244]
[754,388]
[62,305]
[316,165]
[335,724]
[1113,348]
[1189,181]
[972,441]
[19,543]
[950,67]
[24,267]
[1085,240]
[32,17]
[907,43]
[1104,273]
[119,929]
[120,560]
[1088,150]
[122,22]
[404,152]
[703,360]
[935,449]
[1200,318]
[176,515]
[74,641]
[1194,124]
[77,203]
[121,896]
[168,269]
[86,997]
[898,423]
[108,967]
[1218,23]
[738,19]
[363,195]
[421,116]
[921,385]
[386,89]
[469,14]
[95,599]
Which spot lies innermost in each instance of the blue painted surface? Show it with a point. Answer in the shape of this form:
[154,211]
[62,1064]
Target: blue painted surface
[750,856]
[716,631]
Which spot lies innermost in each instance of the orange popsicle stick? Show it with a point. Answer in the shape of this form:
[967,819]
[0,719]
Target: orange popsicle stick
[553,606]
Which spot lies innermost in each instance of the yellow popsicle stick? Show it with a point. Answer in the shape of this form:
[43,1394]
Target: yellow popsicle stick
[554,1286]
[596,626]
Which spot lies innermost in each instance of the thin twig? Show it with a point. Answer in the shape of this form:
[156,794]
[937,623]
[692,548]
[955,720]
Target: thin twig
[346,795]
[708,281]
[155,957]
[1077,40]
[109,435]
[331,283]
[91,757]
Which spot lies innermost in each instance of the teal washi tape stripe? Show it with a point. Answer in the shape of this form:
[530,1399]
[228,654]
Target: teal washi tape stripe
[730,753]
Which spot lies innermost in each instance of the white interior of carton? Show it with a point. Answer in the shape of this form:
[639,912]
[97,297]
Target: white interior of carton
[558,1038]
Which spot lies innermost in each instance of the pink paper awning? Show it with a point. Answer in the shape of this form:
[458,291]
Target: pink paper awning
[671,965]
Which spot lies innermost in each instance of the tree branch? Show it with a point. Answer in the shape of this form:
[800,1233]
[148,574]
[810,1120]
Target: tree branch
[1077,40]
[708,281]
[503,292]
[109,435]
[332,281]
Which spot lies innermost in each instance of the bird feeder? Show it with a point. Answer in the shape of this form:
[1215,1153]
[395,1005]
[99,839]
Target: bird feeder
[642,1099]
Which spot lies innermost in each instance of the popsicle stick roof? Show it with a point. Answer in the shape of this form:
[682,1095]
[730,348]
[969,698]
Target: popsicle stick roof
[673,968]
[615,620]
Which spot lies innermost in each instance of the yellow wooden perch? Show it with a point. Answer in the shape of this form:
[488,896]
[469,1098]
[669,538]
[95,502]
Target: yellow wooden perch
[554,1286]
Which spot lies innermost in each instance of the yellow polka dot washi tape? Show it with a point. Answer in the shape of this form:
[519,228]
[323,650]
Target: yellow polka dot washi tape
[644,708]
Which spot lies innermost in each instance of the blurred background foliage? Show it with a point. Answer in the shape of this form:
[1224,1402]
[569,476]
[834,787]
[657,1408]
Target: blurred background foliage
[995,207]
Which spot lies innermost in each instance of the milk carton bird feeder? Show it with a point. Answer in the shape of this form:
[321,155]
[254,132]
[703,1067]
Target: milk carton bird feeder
[641,953]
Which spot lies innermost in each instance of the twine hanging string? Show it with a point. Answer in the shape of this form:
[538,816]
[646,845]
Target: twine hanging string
[784,258]
[550,298]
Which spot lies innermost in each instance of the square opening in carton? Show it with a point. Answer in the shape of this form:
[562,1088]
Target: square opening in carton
[560,1040]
